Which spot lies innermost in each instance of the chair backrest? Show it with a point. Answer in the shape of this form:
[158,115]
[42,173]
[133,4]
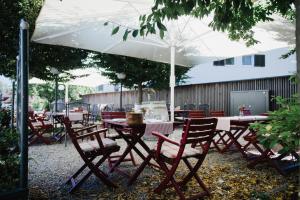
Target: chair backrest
[95,110]
[59,118]
[246,112]
[199,131]
[68,126]
[219,113]
[31,126]
[113,115]
[204,107]
[31,116]
[109,107]
[264,114]
[189,106]
[128,107]
[77,106]
[196,114]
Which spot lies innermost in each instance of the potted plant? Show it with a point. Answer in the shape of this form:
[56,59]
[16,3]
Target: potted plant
[9,155]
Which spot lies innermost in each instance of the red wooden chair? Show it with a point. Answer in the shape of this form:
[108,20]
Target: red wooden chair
[38,129]
[196,114]
[90,146]
[213,114]
[169,152]
[283,163]
[225,139]
[60,133]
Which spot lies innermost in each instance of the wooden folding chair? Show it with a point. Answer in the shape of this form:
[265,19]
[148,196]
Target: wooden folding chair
[221,134]
[60,133]
[90,146]
[225,139]
[283,163]
[169,152]
[37,130]
[196,114]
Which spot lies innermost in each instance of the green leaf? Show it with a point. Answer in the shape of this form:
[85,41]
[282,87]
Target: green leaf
[115,30]
[161,26]
[126,34]
[161,34]
[135,33]
[273,143]
[105,24]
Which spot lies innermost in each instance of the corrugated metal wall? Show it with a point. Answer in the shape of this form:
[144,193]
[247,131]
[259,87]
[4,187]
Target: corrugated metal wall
[217,95]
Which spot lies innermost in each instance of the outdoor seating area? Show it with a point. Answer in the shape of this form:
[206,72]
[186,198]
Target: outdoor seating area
[129,162]
[142,100]
[223,175]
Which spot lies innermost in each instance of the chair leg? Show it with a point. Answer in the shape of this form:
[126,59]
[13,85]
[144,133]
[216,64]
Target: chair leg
[259,159]
[101,175]
[79,170]
[140,169]
[132,158]
[169,174]
[169,178]
[193,172]
[39,136]
[94,168]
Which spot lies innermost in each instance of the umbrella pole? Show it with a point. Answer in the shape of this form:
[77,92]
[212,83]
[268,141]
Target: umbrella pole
[66,93]
[172,82]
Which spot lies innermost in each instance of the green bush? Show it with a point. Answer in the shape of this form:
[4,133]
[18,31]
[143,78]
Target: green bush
[283,127]
[9,154]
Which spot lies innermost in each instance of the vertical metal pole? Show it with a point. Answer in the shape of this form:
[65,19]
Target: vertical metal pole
[12,105]
[172,82]
[0,99]
[121,98]
[18,92]
[24,65]
[56,88]
[66,93]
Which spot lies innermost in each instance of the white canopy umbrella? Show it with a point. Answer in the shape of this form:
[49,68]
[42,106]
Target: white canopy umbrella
[189,41]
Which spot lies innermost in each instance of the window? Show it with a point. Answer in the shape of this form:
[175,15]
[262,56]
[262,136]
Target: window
[219,63]
[116,88]
[247,60]
[229,61]
[259,60]
[100,88]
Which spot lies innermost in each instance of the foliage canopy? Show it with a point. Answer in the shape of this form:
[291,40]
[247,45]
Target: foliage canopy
[283,127]
[42,56]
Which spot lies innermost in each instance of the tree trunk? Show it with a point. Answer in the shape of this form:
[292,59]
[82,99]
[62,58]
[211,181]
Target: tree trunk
[140,93]
[297,6]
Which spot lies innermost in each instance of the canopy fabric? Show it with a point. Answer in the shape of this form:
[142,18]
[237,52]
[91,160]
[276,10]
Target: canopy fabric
[80,24]
[188,41]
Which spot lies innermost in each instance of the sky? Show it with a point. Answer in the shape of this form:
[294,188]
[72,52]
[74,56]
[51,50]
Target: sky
[5,83]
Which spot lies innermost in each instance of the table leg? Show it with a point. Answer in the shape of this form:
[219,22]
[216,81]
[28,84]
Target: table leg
[234,140]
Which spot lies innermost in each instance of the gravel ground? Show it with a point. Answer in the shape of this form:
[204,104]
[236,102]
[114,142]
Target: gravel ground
[51,165]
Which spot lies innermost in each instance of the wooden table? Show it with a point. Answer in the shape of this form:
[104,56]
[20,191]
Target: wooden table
[231,129]
[132,139]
